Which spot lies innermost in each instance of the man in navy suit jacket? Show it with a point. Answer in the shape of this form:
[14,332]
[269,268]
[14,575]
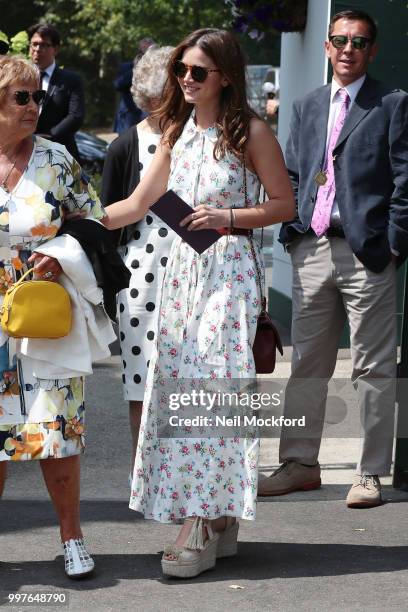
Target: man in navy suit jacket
[63,110]
[345,268]
[128,113]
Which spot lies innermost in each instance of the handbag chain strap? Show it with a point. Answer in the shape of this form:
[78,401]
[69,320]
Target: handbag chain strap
[251,242]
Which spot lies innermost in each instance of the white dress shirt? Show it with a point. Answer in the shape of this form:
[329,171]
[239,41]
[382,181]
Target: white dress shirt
[45,81]
[47,74]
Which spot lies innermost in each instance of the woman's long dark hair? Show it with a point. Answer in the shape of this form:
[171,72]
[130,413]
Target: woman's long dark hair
[235,113]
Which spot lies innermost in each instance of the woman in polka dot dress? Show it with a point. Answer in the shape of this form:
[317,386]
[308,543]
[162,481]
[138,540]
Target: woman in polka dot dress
[146,252]
[210,302]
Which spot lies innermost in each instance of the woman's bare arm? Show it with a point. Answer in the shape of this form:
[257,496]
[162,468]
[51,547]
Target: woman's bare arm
[264,157]
[151,187]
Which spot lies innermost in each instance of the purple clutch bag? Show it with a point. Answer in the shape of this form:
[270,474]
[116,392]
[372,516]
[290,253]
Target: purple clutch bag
[172,209]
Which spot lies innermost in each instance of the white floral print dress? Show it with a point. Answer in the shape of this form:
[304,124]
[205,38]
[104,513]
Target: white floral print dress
[39,418]
[207,324]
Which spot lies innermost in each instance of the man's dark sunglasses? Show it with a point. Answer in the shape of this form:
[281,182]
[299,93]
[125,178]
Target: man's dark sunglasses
[358,42]
[198,73]
[22,97]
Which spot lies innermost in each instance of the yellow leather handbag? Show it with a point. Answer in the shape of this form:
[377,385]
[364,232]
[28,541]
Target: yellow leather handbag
[36,309]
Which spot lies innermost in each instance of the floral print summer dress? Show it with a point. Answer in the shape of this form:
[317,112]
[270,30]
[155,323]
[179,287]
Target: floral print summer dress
[207,325]
[38,418]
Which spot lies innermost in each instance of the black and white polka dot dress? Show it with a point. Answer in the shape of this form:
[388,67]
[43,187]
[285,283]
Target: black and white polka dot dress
[146,257]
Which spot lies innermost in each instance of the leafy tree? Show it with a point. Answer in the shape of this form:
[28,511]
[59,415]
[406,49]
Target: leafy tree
[4,37]
[116,25]
[98,34]
[19,43]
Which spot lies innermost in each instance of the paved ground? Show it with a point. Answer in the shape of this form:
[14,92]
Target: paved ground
[305,552]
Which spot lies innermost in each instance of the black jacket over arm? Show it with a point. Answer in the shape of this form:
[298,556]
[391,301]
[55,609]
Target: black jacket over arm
[110,272]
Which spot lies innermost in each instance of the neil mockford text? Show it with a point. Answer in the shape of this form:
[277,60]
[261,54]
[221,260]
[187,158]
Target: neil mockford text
[237,420]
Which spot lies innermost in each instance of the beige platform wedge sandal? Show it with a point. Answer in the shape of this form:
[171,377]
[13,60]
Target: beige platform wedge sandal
[196,556]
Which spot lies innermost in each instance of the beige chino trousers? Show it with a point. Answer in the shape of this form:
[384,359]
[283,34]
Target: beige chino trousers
[330,284]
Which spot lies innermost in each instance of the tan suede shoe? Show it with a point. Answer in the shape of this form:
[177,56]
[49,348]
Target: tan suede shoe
[365,492]
[290,476]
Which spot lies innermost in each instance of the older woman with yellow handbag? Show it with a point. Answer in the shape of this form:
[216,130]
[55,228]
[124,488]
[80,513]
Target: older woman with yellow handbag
[40,418]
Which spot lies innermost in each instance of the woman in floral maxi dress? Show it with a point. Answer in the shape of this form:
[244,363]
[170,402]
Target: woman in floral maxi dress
[213,143]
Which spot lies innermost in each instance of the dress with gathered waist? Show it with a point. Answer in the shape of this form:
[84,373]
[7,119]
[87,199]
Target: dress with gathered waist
[207,325]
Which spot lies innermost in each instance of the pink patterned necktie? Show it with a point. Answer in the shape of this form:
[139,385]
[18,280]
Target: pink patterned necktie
[326,192]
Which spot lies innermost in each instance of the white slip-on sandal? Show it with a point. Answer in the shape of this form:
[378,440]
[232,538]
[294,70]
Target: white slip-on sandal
[78,562]
[196,556]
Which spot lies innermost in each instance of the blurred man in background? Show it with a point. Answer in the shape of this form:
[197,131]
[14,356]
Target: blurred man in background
[63,110]
[128,113]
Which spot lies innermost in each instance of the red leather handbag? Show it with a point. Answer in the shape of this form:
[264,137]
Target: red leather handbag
[267,340]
